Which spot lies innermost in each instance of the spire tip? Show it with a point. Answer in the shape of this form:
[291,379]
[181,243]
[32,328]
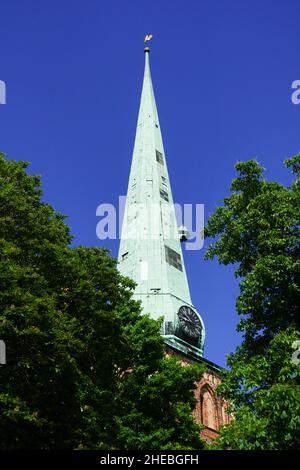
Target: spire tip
[147,49]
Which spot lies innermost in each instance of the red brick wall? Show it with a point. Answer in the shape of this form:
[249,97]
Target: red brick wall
[210,409]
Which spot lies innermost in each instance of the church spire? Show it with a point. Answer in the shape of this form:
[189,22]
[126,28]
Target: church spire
[147,83]
[150,250]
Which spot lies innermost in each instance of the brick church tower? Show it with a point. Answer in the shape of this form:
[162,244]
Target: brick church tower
[150,253]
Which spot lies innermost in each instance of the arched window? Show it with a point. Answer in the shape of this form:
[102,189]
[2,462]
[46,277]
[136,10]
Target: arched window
[225,416]
[208,409]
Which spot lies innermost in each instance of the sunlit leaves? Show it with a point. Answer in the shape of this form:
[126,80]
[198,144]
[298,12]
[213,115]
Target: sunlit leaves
[258,230]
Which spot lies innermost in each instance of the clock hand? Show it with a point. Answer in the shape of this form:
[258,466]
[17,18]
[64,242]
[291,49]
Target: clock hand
[189,321]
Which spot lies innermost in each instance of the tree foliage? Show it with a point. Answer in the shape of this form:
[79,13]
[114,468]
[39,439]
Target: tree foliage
[85,370]
[258,231]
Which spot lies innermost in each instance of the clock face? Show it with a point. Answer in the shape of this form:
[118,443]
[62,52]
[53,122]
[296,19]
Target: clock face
[189,321]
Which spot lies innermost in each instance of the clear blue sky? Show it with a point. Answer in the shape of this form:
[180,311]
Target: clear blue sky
[222,72]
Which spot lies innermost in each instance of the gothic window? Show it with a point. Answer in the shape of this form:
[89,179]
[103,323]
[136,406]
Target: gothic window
[173,258]
[224,420]
[225,416]
[124,256]
[208,409]
[159,157]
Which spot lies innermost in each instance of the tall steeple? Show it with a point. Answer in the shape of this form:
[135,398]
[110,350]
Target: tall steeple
[150,248]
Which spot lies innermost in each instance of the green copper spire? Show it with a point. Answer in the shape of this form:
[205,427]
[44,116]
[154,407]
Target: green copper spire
[150,249]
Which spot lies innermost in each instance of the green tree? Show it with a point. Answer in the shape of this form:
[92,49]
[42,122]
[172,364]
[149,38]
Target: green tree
[84,368]
[258,231]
